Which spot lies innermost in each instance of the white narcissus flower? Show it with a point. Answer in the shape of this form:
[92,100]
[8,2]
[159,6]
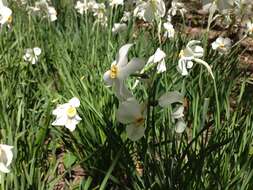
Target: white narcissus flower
[119,27]
[131,113]
[31,55]
[66,114]
[126,16]
[249,26]
[175,7]
[5,14]
[84,6]
[120,70]
[99,11]
[149,10]
[223,45]
[169,30]
[192,53]
[170,98]
[116,2]
[159,58]
[52,14]
[6,156]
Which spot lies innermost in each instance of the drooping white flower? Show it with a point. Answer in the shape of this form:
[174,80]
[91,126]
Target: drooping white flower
[120,70]
[150,9]
[31,55]
[223,45]
[47,11]
[170,98]
[126,16]
[131,113]
[6,156]
[66,114]
[169,30]
[158,58]
[192,53]
[176,7]
[5,14]
[119,27]
[52,14]
[116,2]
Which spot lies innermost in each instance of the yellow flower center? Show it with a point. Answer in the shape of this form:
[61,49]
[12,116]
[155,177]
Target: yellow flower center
[222,45]
[114,71]
[139,121]
[9,20]
[71,112]
[181,54]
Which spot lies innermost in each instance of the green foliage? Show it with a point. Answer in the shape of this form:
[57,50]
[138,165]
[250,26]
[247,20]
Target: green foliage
[212,154]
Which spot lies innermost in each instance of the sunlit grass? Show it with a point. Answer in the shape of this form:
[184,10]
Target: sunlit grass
[212,153]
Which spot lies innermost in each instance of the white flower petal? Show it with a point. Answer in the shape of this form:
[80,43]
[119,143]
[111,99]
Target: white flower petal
[71,124]
[119,27]
[161,67]
[37,51]
[34,61]
[215,45]
[3,168]
[189,64]
[135,132]
[121,57]
[134,65]
[182,67]
[161,9]
[75,102]
[61,120]
[7,151]
[121,91]
[159,55]
[180,126]
[128,111]
[179,113]
[198,51]
[107,78]
[169,98]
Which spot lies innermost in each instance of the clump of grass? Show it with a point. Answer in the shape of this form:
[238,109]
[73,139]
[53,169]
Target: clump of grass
[211,154]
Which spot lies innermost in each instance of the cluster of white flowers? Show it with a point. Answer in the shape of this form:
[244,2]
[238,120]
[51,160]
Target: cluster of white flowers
[98,9]
[149,10]
[31,55]
[43,7]
[130,111]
